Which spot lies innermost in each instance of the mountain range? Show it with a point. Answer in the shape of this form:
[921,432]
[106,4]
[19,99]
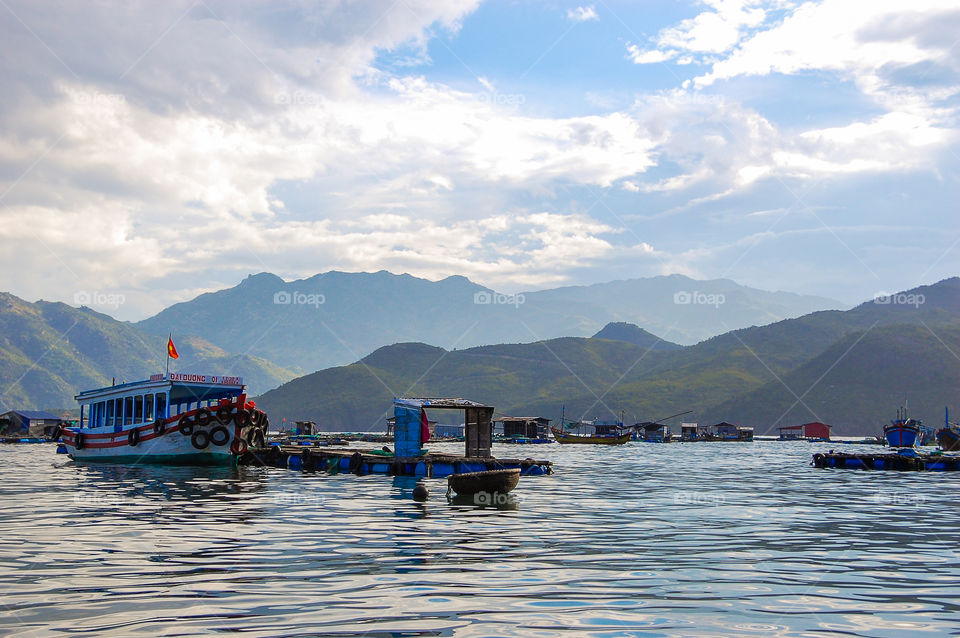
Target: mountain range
[336,318]
[50,351]
[849,368]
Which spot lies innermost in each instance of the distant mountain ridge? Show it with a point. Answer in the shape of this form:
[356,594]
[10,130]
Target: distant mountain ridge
[49,352]
[335,318]
[628,332]
[739,375]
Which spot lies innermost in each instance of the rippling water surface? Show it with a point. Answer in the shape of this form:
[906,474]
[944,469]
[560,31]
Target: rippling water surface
[679,539]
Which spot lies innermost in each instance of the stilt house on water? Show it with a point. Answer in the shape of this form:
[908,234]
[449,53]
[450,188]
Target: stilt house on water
[528,427]
[815,431]
[28,423]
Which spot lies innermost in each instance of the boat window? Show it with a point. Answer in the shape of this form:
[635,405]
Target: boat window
[161,406]
[110,412]
[138,409]
[128,410]
[101,413]
[148,408]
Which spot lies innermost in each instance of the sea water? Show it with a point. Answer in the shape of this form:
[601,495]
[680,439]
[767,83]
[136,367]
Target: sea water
[641,539]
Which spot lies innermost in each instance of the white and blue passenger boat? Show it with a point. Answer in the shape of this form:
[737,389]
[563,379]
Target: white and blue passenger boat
[173,418]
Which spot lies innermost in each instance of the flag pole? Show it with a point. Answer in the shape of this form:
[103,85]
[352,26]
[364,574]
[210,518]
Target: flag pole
[167,369]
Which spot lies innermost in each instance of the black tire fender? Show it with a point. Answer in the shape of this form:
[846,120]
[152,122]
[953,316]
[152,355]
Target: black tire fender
[219,435]
[200,439]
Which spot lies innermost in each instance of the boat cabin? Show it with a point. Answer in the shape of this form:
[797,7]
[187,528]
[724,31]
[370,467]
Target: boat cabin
[162,396]
[607,428]
[652,432]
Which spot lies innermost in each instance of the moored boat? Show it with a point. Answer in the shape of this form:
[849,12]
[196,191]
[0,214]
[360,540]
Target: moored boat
[173,419]
[902,432]
[605,439]
[948,437]
[490,482]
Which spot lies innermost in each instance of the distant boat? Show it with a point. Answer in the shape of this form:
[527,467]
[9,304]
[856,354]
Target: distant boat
[903,432]
[948,437]
[587,439]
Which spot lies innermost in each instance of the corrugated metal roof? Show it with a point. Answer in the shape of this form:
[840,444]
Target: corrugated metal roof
[33,414]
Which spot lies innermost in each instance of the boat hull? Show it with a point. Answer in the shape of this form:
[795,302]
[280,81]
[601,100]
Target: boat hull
[490,482]
[563,437]
[213,443]
[949,439]
[901,434]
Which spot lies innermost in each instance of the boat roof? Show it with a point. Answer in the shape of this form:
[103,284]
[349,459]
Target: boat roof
[439,402]
[180,386]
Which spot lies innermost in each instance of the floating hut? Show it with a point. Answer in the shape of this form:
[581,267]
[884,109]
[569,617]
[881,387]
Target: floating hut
[409,458]
[32,423]
[528,427]
[808,431]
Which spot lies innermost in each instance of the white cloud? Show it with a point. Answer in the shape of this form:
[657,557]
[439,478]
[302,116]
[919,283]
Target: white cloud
[716,30]
[582,14]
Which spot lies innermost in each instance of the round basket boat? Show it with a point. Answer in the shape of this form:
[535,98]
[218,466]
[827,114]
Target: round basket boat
[500,481]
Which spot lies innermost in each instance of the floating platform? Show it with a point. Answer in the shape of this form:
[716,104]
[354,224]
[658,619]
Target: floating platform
[889,461]
[432,465]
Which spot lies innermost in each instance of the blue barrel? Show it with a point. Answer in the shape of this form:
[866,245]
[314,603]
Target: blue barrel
[380,468]
[294,462]
[854,463]
[442,469]
[420,469]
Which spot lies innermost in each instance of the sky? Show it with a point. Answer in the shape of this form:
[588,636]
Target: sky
[150,152]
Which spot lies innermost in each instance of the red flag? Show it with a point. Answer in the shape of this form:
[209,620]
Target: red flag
[424,427]
[171,349]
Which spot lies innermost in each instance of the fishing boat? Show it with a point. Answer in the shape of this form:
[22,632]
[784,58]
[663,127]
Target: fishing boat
[948,437]
[602,439]
[902,432]
[171,418]
[489,482]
